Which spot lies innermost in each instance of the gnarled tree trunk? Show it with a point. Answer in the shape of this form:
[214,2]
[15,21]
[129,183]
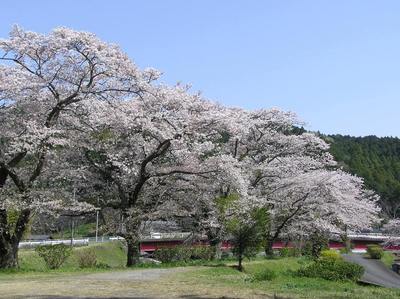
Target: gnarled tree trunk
[8,254]
[133,254]
[10,238]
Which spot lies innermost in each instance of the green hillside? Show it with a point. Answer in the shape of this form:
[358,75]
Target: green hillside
[375,159]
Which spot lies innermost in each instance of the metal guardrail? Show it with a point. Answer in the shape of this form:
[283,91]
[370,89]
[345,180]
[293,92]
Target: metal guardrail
[33,244]
[102,239]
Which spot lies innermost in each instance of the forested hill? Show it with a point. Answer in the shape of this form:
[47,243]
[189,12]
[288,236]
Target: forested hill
[375,159]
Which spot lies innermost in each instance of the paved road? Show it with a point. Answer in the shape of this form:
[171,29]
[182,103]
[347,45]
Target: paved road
[375,271]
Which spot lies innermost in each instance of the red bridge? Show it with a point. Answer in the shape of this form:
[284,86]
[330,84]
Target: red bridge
[162,240]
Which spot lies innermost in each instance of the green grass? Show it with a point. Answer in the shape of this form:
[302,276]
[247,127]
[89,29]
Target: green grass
[216,275]
[82,230]
[388,259]
[286,284]
[111,253]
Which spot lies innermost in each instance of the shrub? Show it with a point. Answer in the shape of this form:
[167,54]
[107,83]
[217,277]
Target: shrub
[375,251]
[183,253]
[330,255]
[315,244]
[165,255]
[202,253]
[102,266]
[288,252]
[330,269]
[54,255]
[345,250]
[86,258]
[264,275]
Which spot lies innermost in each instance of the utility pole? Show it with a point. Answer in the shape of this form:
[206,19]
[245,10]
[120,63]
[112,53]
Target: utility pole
[72,220]
[97,219]
[72,231]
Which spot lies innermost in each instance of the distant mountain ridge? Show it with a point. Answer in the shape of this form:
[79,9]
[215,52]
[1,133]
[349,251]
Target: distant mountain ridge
[377,160]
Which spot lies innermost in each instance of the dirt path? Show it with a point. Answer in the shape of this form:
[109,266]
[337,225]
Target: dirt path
[136,275]
[132,284]
[375,271]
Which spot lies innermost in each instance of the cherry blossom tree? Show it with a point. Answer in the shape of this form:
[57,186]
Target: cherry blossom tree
[392,228]
[43,81]
[157,156]
[291,175]
[321,201]
[76,113]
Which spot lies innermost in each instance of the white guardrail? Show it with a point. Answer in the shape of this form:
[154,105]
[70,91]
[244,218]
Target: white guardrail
[86,241]
[33,244]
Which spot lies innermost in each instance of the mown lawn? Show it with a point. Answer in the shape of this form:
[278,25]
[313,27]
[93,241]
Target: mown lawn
[286,284]
[214,279]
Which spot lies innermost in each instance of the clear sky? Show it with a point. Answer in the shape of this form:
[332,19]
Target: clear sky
[335,63]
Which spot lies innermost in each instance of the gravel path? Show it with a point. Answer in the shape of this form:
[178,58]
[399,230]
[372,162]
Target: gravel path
[133,284]
[135,275]
[128,284]
[375,271]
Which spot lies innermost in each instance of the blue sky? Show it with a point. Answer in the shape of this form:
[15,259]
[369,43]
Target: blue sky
[335,63]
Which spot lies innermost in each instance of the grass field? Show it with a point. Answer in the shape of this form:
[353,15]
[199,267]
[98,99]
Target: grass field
[111,254]
[208,279]
[285,284]
[82,230]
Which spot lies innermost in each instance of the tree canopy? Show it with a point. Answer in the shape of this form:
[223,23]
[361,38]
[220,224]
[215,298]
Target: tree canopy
[375,159]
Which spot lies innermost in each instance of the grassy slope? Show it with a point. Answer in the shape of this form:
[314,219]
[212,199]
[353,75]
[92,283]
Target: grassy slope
[82,230]
[285,284]
[112,254]
[388,259]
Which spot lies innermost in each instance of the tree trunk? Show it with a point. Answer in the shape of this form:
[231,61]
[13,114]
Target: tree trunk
[9,241]
[240,266]
[133,252]
[269,251]
[218,250]
[216,244]
[215,239]
[8,254]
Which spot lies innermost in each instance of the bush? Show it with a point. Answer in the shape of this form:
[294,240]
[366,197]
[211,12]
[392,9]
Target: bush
[86,258]
[183,253]
[330,255]
[315,244]
[202,253]
[288,252]
[264,275]
[165,255]
[54,255]
[345,250]
[102,266]
[331,269]
[375,251]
